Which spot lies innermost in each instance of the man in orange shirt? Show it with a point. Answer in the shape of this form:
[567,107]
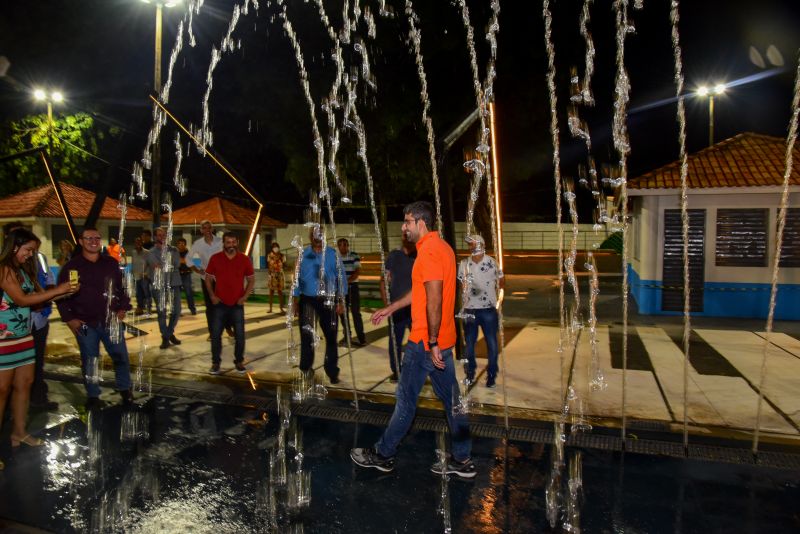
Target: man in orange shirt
[429,352]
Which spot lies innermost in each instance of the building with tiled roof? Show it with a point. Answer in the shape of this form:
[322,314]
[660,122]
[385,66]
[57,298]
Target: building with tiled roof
[40,210]
[746,160]
[227,215]
[734,196]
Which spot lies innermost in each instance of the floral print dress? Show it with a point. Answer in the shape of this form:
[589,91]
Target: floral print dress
[275,267]
[16,343]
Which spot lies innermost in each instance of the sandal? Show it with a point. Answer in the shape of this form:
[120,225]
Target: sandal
[28,440]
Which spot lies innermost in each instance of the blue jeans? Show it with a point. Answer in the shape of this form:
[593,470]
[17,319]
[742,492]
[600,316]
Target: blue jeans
[186,284]
[167,324]
[143,294]
[417,367]
[89,345]
[222,316]
[400,323]
[486,318]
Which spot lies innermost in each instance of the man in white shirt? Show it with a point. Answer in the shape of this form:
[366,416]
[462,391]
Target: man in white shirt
[483,280]
[205,248]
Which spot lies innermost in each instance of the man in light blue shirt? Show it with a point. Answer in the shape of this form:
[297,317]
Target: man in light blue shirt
[318,296]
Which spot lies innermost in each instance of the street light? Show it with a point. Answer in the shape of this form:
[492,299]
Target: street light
[711,92]
[155,184]
[40,95]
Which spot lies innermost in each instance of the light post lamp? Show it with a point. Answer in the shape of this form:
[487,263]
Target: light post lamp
[155,184]
[711,92]
[40,95]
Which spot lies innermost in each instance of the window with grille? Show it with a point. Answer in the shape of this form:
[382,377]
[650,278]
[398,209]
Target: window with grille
[790,248]
[742,237]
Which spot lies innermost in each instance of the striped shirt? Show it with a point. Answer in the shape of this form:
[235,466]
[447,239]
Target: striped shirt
[351,261]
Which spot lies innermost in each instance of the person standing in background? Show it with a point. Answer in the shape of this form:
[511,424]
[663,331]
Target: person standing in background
[168,316]
[205,248]
[186,275]
[115,250]
[276,282]
[352,269]
[139,271]
[399,264]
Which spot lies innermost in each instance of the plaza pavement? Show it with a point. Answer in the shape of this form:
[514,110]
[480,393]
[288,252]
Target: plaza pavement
[723,378]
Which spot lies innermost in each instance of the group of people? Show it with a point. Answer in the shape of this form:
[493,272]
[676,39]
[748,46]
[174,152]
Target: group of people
[419,292]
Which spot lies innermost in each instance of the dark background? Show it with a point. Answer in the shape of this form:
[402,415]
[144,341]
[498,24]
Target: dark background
[100,54]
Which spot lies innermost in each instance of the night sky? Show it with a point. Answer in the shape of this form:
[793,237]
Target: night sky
[100,54]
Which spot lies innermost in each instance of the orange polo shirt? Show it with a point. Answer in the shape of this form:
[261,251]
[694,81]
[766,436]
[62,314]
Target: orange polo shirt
[435,261]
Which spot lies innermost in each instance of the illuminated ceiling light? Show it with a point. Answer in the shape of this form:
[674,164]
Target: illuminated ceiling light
[57,96]
[39,94]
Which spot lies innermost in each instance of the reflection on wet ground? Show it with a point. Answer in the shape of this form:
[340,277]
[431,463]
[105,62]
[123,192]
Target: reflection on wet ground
[176,465]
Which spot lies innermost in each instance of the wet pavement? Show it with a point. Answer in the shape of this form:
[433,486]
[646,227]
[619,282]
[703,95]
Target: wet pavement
[179,465]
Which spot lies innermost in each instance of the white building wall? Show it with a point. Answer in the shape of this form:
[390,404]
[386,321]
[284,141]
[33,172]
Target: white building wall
[650,221]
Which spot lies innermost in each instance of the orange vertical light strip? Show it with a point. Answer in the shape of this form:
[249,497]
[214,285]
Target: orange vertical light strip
[244,188]
[496,175]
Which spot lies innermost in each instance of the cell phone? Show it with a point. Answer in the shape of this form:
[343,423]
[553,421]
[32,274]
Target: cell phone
[73,277]
[84,329]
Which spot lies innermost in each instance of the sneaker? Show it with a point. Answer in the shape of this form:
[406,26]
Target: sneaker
[471,376]
[174,340]
[368,457]
[240,368]
[465,469]
[214,369]
[490,382]
[164,343]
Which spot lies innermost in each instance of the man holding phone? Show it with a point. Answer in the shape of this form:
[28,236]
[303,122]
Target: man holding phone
[85,314]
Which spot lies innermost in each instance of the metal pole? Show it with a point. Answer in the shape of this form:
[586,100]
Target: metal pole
[155,184]
[50,128]
[710,120]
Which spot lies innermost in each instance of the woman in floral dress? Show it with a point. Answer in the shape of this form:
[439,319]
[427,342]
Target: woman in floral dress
[20,290]
[275,262]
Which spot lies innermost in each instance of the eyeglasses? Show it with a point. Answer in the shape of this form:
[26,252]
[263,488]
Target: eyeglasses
[91,238]
[407,222]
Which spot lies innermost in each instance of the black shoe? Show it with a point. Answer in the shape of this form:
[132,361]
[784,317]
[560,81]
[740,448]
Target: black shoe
[342,342]
[214,369]
[174,340]
[465,469]
[127,397]
[490,382]
[194,312]
[334,379]
[368,457]
[394,378]
[164,343]
[471,377]
[45,405]
[94,403]
[240,368]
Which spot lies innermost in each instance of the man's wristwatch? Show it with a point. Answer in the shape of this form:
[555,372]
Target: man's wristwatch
[432,344]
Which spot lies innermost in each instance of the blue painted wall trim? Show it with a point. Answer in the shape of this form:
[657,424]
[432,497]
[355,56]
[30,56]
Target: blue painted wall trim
[722,299]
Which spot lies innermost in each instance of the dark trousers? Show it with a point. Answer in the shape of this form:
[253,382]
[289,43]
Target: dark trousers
[186,284]
[312,308]
[353,303]
[39,387]
[224,316]
[401,321]
[143,294]
[209,305]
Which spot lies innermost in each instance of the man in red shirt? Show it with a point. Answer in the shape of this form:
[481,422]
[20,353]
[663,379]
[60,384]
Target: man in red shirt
[429,352]
[229,270]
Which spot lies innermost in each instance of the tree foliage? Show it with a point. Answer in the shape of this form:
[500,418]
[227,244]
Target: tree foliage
[72,141]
